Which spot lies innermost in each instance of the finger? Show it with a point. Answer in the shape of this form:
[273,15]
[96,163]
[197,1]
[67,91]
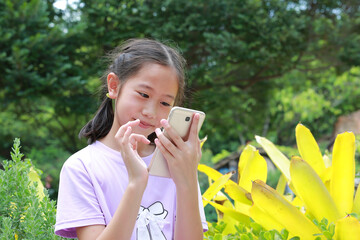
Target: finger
[124,143]
[172,134]
[120,133]
[126,136]
[139,138]
[194,133]
[167,155]
[165,142]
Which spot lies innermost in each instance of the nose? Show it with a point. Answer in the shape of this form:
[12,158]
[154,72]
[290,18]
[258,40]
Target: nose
[149,110]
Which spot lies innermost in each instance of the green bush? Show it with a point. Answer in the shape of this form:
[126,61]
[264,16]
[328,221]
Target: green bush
[256,231]
[243,232]
[49,159]
[25,212]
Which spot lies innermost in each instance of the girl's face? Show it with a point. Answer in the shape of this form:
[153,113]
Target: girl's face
[149,96]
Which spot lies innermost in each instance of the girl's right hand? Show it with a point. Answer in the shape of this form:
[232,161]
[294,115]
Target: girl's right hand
[128,141]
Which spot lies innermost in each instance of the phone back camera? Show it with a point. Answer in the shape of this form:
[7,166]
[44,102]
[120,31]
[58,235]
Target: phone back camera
[187,119]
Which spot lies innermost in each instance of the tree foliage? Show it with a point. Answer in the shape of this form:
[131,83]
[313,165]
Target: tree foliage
[41,86]
[236,50]
[255,67]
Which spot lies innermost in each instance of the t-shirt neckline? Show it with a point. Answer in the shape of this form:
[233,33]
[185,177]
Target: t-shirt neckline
[116,154]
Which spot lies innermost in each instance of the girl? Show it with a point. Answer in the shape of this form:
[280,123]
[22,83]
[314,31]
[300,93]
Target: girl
[105,190]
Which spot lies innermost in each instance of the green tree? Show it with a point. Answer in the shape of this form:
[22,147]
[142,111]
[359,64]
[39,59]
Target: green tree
[239,54]
[235,50]
[315,99]
[43,95]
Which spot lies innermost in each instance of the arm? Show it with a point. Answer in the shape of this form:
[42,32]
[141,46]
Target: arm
[122,224]
[182,158]
[188,222]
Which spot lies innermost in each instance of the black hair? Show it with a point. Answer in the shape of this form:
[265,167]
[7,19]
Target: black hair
[126,61]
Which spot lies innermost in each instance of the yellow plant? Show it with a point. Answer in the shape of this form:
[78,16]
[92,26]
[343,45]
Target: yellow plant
[321,188]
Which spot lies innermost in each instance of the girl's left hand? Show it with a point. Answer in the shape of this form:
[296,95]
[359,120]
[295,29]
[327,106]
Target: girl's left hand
[182,156]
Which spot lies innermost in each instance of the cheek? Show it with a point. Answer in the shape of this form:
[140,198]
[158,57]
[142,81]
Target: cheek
[163,114]
[125,108]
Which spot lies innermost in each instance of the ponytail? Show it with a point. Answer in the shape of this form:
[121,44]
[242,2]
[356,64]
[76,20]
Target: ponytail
[100,125]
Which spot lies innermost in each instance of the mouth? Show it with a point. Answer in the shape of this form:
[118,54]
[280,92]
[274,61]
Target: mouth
[145,125]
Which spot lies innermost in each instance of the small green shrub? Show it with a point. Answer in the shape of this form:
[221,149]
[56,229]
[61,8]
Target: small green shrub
[245,232]
[256,231]
[25,213]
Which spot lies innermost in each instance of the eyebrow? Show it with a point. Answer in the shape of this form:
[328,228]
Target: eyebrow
[152,89]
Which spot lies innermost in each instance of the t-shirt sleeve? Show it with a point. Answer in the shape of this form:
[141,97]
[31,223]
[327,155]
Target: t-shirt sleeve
[202,211]
[77,204]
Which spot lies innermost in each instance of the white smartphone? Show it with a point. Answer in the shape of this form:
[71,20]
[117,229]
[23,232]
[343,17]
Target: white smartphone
[179,119]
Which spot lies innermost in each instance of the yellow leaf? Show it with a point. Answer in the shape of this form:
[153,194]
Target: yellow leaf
[312,191]
[34,177]
[326,174]
[327,161]
[343,172]
[237,215]
[281,185]
[220,197]
[246,154]
[202,141]
[297,202]
[230,222]
[238,194]
[356,207]
[277,157]
[326,177]
[273,204]
[309,149]
[211,173]
[264,219]
[347,228]
[215,187]
[288,197]
[255,168]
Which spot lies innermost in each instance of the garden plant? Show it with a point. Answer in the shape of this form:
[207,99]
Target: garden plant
[320,205]
[26,212]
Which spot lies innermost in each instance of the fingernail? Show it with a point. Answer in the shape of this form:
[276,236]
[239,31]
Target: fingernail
[157,131]
[164,122]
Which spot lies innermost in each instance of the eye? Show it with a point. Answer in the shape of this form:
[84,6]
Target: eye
[166,104]
[144,95]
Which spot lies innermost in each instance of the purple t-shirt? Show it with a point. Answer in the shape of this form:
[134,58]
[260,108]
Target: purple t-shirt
[92,182]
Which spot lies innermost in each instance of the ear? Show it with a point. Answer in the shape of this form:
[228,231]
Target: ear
[113,84]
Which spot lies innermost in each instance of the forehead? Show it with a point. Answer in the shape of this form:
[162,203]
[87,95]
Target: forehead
[158,78]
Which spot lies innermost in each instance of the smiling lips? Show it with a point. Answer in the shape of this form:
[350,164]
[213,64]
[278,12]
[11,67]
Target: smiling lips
[145,125]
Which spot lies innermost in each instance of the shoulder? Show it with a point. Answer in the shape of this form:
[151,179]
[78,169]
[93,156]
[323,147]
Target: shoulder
[78,159]
[93,159]
[75,170]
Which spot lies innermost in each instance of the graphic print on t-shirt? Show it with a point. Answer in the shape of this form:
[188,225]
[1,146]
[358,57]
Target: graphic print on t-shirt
[150,222]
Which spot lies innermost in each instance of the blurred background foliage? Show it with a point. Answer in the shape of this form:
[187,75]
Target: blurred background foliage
[254,66]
